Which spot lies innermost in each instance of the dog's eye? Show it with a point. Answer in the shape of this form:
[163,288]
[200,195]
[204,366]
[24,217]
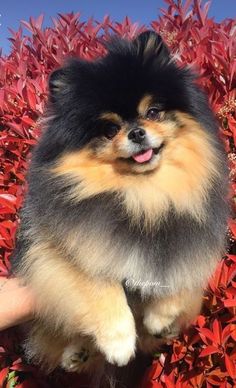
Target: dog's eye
[153,114]
[111,130]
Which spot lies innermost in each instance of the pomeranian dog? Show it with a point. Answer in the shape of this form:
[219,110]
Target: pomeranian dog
[125,216]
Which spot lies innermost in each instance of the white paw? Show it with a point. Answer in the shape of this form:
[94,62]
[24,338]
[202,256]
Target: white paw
[156,324]
[74,358]
[119,343]
[119,350]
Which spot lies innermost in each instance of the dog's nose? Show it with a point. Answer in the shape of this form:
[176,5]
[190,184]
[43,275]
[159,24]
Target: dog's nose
[137,135]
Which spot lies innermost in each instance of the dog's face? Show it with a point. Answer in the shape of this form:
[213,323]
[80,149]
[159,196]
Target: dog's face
[123,108]
[133,146]
[131,122]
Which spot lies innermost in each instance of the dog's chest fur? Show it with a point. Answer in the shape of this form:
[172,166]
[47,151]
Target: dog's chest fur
[99,237]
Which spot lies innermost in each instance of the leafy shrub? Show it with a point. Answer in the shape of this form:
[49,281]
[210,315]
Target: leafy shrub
[205,355]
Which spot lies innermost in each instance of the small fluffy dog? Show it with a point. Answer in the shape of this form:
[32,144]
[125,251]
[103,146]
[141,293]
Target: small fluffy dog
[125,217]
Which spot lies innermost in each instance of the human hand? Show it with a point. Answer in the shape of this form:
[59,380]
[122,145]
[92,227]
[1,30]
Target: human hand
[16,303]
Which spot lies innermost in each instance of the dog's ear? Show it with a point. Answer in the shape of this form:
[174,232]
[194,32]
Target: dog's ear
[63,80]
[150,46]
[57,82]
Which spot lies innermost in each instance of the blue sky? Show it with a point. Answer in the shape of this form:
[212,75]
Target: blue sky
[12,11]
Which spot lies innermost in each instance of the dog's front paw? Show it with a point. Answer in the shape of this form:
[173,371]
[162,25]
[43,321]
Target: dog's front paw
[119,342]
[119,349]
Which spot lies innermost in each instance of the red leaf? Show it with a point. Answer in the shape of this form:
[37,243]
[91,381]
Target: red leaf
[230,366]
[204,332]
[229,330]
[229,302]
[217,330]
[3,375]
[209,350]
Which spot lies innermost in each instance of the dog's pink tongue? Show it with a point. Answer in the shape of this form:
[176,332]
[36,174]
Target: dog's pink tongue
[144,157]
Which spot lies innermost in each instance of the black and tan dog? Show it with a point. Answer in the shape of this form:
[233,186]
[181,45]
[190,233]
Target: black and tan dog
[125,216]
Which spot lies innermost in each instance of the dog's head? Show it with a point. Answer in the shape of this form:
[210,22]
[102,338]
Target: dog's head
[124,107]
[129,118]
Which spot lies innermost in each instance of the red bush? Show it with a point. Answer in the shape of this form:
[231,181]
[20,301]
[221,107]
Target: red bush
[204,356]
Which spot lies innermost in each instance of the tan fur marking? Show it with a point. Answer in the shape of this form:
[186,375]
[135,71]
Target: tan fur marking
[144,104]
[110,116]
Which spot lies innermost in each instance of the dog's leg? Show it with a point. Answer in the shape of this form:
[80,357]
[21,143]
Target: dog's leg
[167,316]
[50,349]
[78,304]
[43,346]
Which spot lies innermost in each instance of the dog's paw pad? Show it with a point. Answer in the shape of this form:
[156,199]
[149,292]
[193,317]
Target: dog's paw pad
[74,359]
[81,356]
